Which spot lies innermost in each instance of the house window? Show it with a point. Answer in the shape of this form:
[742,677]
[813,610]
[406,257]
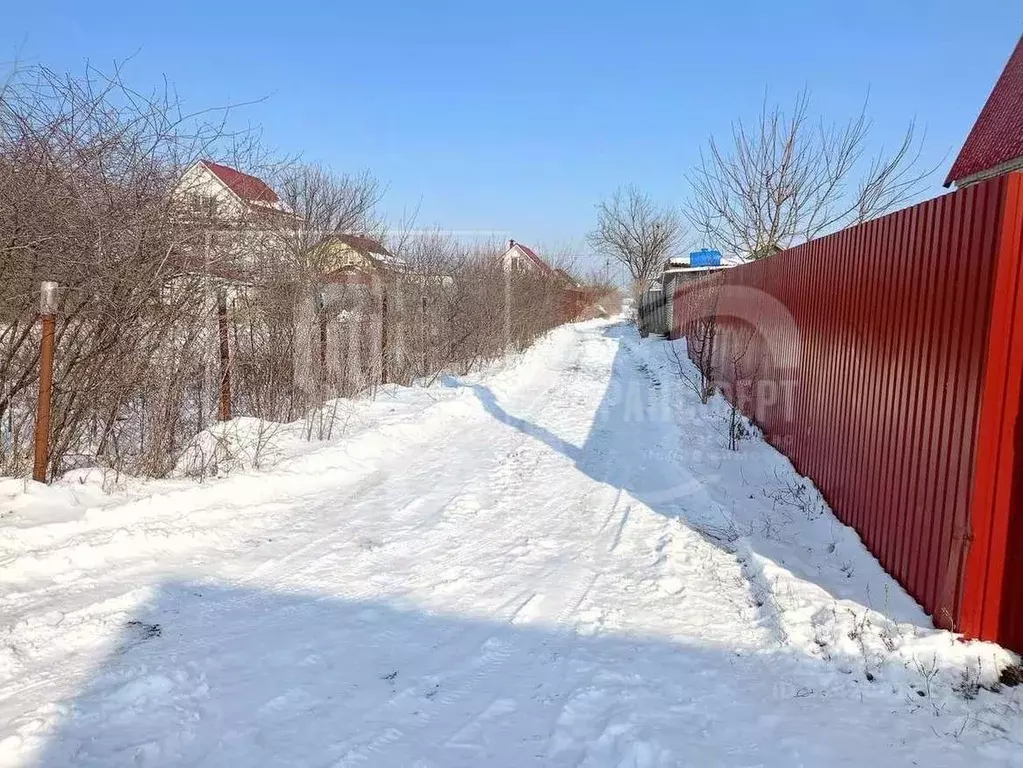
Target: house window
[204,205]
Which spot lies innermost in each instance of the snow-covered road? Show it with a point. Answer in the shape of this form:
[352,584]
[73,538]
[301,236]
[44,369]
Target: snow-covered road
[556,563]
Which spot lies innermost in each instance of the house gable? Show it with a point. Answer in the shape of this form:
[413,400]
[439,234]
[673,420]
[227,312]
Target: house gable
[200,188]
[522,258]
[207,185]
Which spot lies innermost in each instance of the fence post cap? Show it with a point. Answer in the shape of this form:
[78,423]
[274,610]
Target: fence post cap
[48,297]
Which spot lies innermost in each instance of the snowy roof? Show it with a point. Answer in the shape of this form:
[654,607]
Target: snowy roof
[682,262]
[997,136]
[687,268]
[250,188]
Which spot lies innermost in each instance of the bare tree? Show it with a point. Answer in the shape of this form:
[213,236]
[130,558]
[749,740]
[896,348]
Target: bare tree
[633,230]
[790,178]
[318,204]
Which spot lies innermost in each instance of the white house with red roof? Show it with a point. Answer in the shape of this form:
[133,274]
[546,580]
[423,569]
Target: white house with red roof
[522,258]
[208,186]
[242,208]
[995,144]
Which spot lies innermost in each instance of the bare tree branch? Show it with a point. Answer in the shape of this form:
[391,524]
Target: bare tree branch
[633,231]
[788,178]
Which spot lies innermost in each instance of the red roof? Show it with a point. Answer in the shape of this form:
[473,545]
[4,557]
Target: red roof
[248,188]
[531,255]
[997,136]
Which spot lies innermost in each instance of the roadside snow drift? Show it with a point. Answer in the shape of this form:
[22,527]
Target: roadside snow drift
[556,563]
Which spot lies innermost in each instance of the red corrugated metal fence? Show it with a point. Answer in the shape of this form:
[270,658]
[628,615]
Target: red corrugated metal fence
[885,360]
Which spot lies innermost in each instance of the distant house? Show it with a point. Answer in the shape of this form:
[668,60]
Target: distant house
[995,144]
[209,188]
[522,258]
[360,252]
[247,215]
[698,264]
[237,219]
[352,258]
[241,226]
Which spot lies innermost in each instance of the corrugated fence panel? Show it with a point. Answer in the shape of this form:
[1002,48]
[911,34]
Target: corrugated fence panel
[886,361]
[991,582]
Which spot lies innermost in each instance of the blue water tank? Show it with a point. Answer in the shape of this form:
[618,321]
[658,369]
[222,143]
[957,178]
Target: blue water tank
[705,258]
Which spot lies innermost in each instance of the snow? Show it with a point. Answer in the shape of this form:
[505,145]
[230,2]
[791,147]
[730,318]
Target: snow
[556,562]
[389,260]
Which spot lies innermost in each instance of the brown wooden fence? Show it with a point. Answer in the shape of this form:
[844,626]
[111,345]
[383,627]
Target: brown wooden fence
[885,360]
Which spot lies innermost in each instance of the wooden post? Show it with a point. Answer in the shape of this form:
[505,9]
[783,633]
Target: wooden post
[225,357]
[507,312]
[383,334]
[323,348]
[201,399]
[48,316]
[426,341]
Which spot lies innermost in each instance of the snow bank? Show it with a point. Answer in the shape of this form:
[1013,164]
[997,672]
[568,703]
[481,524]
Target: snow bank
[811,579]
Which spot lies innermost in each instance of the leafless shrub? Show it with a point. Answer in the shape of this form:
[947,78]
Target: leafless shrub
[232,446]
[798,494]
[928,671]
[304,314]
[968,683]
[454,307]
[744,375]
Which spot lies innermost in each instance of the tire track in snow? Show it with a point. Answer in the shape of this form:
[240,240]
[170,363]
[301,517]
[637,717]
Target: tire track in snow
[494,653]
[374,483]
[494,483]
[502,482]
[274,566]
[434,696]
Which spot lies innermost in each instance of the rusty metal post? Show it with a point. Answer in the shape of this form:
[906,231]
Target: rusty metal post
[225,357]
[48,316]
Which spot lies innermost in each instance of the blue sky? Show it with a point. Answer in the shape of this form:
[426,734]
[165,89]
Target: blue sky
[517,117]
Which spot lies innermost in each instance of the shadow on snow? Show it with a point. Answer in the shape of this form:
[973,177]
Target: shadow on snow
[214,676]
[639,444]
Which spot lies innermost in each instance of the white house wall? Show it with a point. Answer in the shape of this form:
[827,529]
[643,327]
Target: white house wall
[200,180]
[506,260]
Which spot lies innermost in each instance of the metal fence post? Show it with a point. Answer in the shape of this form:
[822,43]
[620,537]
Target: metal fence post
[48,316]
